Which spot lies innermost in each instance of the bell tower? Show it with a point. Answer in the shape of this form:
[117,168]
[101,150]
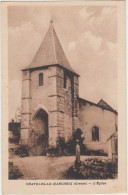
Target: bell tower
[50,91]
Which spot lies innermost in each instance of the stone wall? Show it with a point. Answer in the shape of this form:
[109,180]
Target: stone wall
[45,97]
[61,104]
[65,112]
[75,103]
[91,115]
[67,108]
[65,103]
[26,104]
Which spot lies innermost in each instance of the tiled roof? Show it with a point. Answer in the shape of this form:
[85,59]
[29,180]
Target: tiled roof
[104,104]
[83,101]
[50,52]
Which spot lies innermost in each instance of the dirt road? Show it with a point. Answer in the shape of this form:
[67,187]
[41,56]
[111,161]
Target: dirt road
[43,167]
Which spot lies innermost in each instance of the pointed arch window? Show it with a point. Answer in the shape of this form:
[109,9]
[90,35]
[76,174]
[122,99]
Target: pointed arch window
[41,79]
[95,134]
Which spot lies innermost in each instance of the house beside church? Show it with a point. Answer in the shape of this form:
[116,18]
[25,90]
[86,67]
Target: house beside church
[51,106]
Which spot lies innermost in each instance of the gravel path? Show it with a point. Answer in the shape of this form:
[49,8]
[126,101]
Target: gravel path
[43,167]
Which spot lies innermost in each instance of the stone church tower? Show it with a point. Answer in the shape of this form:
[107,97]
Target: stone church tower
[50,92]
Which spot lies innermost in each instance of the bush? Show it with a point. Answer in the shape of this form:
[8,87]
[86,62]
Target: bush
[69,147]
[71,144]
[14,140]
[52,151]
[91,169]
[14,172]
[61,143]
[23,151]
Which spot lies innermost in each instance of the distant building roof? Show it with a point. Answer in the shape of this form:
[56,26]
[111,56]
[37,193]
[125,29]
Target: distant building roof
[98,105]
[115,134]
[50,52]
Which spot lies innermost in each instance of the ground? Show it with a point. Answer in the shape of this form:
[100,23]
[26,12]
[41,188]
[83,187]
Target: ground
[43,167]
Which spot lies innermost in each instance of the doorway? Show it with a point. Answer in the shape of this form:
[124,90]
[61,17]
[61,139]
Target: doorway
[39,134]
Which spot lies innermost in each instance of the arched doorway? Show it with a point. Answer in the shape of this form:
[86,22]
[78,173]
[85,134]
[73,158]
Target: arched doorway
[39,134]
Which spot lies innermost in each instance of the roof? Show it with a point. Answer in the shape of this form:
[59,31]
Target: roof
[98,105]
[115,134]
[105,105]
[50,52]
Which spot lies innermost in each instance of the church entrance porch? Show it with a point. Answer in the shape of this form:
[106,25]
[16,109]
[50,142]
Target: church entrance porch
[39,134]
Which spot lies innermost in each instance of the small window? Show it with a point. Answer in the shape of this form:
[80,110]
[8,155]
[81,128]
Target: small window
[65,80]
[95,134]
[41,79]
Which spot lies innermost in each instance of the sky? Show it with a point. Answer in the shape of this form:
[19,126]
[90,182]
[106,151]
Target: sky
[88,35]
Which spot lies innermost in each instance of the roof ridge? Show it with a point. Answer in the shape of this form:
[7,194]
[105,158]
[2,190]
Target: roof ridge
[85,100]
[50,53]
[54,48]
[64,54]
[40,45]
[105,103]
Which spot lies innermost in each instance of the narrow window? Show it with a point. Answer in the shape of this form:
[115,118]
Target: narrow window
[95,134]
[41,79]
[65,80]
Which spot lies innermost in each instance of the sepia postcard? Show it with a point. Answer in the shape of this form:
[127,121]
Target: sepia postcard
[63,97]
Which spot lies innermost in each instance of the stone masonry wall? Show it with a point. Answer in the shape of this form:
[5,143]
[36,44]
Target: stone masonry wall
[45,97]
[59,103]
[35,97]
[68,109]
[75,112]
[26,104]
[66,103]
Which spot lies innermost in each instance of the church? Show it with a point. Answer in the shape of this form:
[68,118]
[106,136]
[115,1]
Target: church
[51,106]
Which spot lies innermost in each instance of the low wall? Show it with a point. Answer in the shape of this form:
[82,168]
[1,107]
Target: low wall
[97,146]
